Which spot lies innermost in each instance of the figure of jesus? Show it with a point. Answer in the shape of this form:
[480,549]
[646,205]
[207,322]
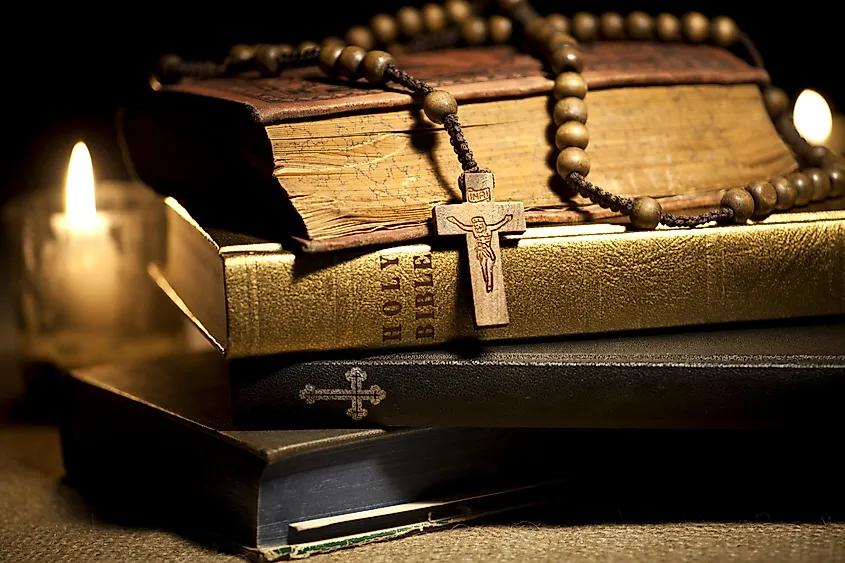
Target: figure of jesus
[483,234]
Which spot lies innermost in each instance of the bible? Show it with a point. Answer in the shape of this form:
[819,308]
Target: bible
[331,164]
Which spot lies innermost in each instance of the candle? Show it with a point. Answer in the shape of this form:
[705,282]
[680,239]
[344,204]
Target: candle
[84,255]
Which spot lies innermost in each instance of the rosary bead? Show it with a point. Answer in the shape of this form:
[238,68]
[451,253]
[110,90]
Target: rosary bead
[501,29]
[570,85]
[266,60]
[585,26]
[438,104]
[567,58]
[305,45]
[724,31]
[668,27]
[836,173]
[384,26]
[558,22]
[374,65]
[434,17]
[241,53]
[458,10]
[765,197]
[741,202]
[640,25]
[540,30]
[646,213]
[559,40]
[410,21]
[817,155]
[821,183]
[572,134]
[786,193]
[573,159]
[349,63]
[474,30]
[167,71]
[612,25]
[570,109]
[776,100]
[361,36]
[329,54]
[803,188]
[696,27]
[285,48]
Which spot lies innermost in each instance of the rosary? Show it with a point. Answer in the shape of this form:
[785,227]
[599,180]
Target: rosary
[556,38]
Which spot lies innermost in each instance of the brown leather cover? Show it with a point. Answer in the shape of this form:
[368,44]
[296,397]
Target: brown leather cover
[476,74]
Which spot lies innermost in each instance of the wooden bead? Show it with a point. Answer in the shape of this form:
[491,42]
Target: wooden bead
[567,58]
[410,21]
[434,17]
[696,27]
[570,109]
[573,159]
[438,104]
[585,26]
[285,48]
[558,22]
[500,28]
[384,27]
[765,197]
[612,25]
[640,25]
[646,213]
[329,54]
[836,173]
[241,53]
[724,31]
[349,63]
[361,36]
[374,65]
[167,70]
[786,193]
[570,85]
[667,27]
[266,60]
[559,40]
[821,183]
[741,202]
[572,134]
[818,155]
[776,100]
[306,45]
[474,30]
[458,10]
[803,188]
[540,31]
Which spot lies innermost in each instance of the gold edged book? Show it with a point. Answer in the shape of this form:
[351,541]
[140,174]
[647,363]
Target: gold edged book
[337,164]
[251,297]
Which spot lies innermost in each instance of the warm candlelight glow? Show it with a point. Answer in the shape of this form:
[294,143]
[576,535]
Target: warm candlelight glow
[812,117]
[80,204]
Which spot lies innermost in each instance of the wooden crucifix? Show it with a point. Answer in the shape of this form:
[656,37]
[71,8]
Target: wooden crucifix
[481,219]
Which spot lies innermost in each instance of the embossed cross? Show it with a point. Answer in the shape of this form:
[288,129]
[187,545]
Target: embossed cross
[355,393]
[481,219]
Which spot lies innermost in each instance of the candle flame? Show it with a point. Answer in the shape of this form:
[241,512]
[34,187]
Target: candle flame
[812,117]
[80,205]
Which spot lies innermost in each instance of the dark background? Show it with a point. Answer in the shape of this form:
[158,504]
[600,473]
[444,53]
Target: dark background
[68,69]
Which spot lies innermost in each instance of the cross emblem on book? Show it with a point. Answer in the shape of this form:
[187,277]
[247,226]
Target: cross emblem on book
[355,393]
[481,219]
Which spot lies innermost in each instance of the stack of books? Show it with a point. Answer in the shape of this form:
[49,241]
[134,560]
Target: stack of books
[352,398]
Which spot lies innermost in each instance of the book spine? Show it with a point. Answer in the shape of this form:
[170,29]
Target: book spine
[726,393]
[417,295]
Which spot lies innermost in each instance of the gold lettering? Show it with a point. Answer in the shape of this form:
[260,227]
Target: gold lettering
[391,333]
[391,308]
[391,286]
[385,262]
[425,315]
[424,299]
[422,262]
[428,280]
[425,331]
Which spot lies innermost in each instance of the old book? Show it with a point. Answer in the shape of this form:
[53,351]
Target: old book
[156,440]
[336,164]
[250,297]
[756,375]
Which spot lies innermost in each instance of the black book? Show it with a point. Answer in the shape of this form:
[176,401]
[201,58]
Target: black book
[744,376]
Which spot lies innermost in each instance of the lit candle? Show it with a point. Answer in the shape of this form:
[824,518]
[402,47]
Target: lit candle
[815,122]
[85,257]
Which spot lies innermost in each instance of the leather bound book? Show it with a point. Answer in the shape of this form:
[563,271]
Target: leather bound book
[332,164]
[250,297]
[757,376]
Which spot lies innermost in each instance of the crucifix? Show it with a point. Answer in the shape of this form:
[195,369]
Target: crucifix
[355,393]
[481,219]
